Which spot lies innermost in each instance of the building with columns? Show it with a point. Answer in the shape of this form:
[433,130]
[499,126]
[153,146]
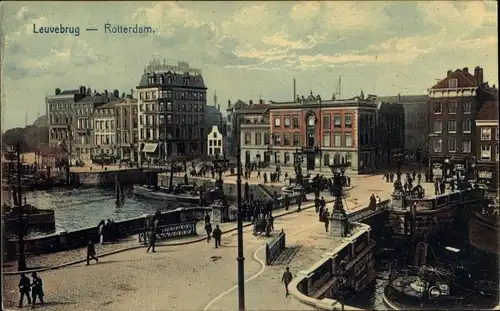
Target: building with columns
[171,110]
[127,136]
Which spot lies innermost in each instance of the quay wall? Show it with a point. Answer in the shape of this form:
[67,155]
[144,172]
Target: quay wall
[314,285]
[106,178]
[74,239]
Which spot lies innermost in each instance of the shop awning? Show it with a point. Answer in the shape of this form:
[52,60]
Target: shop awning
[149,147]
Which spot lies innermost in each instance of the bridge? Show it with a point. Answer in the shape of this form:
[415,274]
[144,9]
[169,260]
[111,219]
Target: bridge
[364,213]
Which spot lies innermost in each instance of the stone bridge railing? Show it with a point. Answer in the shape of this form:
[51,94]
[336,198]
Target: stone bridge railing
[79,238]
[364,213]
[313,285]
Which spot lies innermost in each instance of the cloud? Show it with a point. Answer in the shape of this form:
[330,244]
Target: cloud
[247,49]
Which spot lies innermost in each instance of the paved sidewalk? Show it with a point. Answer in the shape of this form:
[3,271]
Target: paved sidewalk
[43,262]
[266,292]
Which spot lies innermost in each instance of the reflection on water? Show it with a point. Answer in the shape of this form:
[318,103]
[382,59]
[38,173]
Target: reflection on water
[80,208]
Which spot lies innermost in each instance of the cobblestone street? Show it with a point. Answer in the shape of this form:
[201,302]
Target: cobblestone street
[190,277]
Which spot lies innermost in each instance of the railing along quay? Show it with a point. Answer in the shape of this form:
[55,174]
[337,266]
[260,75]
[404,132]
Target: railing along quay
[162,233]
[275,247]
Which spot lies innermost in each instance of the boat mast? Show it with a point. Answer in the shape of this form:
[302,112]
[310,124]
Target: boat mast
[21,264]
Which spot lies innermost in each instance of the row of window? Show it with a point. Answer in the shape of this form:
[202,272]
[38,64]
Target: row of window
[104,112]
[216,142]
[126,111]
[453,107]
[293,139]
[168,106]
[104,125]
[452,126]
[437,145]
[327,122]
[486,133]
[105,139]
[289,158]
[167,94]
[60,105]
[176,134]
[171,119]
[486,153]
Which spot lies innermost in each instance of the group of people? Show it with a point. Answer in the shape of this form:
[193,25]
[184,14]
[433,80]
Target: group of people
[322,211]
[216,233]
[26,286]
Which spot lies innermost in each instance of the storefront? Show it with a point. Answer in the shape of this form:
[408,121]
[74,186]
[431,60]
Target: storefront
[487,174]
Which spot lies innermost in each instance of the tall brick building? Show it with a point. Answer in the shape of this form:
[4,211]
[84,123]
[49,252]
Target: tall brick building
[328,131]
[453,105]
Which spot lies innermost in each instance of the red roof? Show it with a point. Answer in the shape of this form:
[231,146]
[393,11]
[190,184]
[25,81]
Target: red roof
[465,79]
[488,112]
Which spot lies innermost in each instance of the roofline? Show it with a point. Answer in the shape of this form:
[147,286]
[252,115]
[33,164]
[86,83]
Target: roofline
[149,86]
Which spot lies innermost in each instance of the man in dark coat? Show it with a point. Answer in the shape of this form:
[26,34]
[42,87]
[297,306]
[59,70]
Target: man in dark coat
[37,289]
[286,279]
[217,236]
[152,241]
[24,289]
[208,229]
[91,252]
[299,204]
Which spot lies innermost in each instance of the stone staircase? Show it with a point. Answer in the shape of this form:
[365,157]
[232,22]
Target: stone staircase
[261,193]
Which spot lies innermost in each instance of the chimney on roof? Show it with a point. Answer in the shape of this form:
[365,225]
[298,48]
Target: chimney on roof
[449,73]
[89,91]
[466,70]
[116,93]
[106,93]
[399,97]
[294,90]
[229,104]
[250,102]
[82,90]
[478,75]
[261,101]
[131,93]
[58,91]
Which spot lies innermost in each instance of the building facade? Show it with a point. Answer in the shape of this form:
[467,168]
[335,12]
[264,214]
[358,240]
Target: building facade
[453,105]
[254,133]
[327,132]
[171,111]
[215,141]
[105,130]
[84,125]
[389,133]
[415,124]
[127,136]
[60,112]
[487,134]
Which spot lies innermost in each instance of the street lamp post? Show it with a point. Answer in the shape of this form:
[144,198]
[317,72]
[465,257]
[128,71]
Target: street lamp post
[399,158]
[338,170]
[241,258]
[220,166]
[342,276]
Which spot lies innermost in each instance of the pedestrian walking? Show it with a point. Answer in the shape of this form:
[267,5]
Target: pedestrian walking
[299,204]
[24,289]
[152,241]
[91,252]
[217,236]
[208,229]
[286,279]
[37,288]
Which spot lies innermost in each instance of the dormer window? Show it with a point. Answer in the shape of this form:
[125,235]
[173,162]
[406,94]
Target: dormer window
[162,80]
[169,79]
[452,83]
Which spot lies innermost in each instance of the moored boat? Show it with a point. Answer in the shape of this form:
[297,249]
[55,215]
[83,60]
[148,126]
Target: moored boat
[34,218]
[162,193]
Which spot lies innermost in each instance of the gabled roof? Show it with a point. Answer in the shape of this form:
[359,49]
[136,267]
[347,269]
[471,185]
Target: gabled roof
[488,111]
[465,79]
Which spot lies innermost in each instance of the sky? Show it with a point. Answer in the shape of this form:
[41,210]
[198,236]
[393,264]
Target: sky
[246,50]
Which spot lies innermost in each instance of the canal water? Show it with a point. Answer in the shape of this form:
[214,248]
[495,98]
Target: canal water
[79,208]
[482,266]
